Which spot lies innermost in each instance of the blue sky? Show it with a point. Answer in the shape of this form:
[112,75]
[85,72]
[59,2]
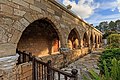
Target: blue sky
[95,11]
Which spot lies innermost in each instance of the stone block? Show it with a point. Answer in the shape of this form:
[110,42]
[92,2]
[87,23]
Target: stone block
[29,17]
[6,8]
[7,49]
[40,5]
[17,25]
[50,10]
[1,73]
[19,12]
[29,1]
[57,17]
[35,8]
[21,2]
[8,21]
[3,1]
[2,32]
[16,36]
[24,22]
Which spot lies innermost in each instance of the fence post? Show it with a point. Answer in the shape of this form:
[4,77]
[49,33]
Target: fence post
[30,56]
[34,69]
[49,76]
[74,73]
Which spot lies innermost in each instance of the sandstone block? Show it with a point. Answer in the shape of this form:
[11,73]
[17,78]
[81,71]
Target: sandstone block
[16,36]
[35,8]
[19,12]
[29,17]
[6,8]
[17,25]
[29,1]
[21,2]
[24,22]
[7,49]
[50,10]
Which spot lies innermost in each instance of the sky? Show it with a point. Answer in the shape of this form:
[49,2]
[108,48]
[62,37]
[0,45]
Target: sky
[95,11]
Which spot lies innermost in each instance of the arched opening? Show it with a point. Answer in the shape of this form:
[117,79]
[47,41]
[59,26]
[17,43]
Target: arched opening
[40,38]
[100,39]
[91,40]
[73,40]
[95,41]
[85,40]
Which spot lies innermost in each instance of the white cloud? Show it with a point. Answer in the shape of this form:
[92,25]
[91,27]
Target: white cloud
[110,5]
[84,8]
[97,18]
[118,3]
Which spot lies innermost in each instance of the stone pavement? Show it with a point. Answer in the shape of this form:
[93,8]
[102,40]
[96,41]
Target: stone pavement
[85,64]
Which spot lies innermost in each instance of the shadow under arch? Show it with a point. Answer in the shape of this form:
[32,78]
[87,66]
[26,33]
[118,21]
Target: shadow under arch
[95,41]
[85,40]
[41,38]
[73,39]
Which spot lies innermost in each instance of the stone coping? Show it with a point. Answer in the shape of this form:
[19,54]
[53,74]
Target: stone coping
[7,63]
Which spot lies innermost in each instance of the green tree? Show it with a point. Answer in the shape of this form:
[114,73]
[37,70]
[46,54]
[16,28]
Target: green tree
[112,26]
[117,23]
[103,26]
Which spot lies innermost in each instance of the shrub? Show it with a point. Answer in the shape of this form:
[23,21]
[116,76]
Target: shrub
[114,74]
[113,41]
[108,55]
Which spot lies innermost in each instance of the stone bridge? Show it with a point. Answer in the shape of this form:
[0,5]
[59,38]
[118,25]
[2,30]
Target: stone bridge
[45,28]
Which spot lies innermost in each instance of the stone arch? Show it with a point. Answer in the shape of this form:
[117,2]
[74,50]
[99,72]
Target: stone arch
[73,39]
[43,29]
[85,40]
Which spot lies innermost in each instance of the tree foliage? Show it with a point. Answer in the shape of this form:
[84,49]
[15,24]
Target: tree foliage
[111,26]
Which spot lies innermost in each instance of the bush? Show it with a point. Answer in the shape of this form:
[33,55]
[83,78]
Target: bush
[108,55]
[113,41]
[114,74]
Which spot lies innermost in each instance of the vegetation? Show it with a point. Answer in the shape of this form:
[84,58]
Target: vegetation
[114,74]
[107,56]
[113,41]
[109,61]
[109,28]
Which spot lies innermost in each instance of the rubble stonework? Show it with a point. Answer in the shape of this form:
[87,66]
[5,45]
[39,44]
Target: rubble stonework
[17,15]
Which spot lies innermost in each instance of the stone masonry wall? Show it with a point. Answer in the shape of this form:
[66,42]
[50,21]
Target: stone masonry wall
[20,72]
[16,15]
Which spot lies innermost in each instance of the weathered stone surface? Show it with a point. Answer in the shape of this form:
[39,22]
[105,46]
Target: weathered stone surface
[29,1]
[16,36]
[17,25]
[8,21]
[50,10]
[7,49]
[24,22]
[21,2]
[19,12]
[57,17]
[2,32]
[40,5]
[29,17]
[16,15]
[35,8]
[6,8]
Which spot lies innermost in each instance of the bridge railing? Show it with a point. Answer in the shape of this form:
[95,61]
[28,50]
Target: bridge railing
[45,71]
[23,57]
